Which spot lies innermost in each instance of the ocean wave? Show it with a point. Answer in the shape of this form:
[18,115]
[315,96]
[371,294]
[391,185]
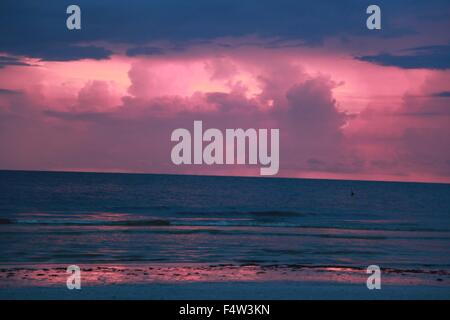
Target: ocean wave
[257,213]
[146,222]
[219,223]
[137,208]
[277,213]
[66,222]
[233,223]
[302,225]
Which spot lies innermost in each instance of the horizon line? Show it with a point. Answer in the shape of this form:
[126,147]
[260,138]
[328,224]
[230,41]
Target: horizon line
[216,175]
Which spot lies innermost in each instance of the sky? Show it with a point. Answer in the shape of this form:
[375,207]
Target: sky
[350,103]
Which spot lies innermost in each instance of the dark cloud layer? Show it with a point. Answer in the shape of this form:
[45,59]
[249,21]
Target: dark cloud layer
[11,61]
[144,51]
[8,91]
[37,28]
[442,94]
[429,57]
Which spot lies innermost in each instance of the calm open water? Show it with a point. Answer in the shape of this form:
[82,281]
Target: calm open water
[76,218]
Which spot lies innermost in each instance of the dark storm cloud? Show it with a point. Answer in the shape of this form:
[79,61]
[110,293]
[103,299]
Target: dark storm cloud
[11,61]
[38,28]
[144,51]
[442,94]
[429,57]
[70,52]
[9,92]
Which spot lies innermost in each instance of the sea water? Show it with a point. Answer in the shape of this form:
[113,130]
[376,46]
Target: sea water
[78,218]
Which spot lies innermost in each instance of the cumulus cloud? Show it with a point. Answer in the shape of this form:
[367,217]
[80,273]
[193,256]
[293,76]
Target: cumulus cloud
[86,115]
[134,135]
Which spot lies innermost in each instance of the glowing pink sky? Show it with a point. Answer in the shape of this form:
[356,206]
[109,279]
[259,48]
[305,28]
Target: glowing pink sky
[339,117]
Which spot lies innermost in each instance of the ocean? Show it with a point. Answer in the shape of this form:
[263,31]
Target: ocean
[81,218]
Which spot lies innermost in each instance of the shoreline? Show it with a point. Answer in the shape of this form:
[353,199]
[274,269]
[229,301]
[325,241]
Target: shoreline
[220,281]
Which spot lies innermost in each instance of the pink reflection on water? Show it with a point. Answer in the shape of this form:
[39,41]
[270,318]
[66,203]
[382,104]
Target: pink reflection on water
[94,275]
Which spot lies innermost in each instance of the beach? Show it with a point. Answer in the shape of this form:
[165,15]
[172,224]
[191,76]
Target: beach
[223,282]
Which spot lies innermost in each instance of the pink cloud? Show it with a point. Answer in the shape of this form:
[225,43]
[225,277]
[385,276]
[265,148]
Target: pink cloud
[338,117]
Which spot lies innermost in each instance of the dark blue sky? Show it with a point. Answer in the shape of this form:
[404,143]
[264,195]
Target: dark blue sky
[37,28]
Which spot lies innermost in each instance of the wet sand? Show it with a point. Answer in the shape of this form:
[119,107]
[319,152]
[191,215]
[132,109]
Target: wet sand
[198,281]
